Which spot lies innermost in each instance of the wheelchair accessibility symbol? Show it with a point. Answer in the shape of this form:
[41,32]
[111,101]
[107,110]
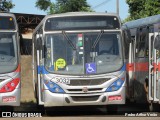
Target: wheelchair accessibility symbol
[90,68]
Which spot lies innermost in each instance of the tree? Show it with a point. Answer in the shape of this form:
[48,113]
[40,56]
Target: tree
[152,7]
[142,8]
[136,8]
[6,5]
[43,4]
[61,6]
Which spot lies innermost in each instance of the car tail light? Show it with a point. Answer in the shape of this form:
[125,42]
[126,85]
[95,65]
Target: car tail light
[10,86]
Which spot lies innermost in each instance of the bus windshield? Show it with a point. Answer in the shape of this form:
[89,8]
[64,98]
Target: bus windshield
[76,53]
[8,52]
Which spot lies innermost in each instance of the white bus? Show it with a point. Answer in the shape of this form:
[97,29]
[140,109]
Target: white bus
[144,60]
[9,61]
[78,60]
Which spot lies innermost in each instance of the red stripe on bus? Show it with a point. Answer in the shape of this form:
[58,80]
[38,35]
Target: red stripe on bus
[141,66]
[156,67]
[138,67]
[18,68]
[130,67]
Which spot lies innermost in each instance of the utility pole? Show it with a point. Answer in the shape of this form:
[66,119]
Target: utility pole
[117,7]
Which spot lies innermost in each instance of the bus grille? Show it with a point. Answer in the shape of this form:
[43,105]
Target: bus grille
[85,98]
[84,82]
[89,90]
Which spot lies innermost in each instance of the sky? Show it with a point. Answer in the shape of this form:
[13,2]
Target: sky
[28,6]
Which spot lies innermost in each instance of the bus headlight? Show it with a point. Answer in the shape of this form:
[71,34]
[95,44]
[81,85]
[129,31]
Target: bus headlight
[116,85]
[53,87]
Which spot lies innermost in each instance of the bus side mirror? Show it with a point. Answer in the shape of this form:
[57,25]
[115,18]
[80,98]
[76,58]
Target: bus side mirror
[127,36]
[39,42]
[157,42]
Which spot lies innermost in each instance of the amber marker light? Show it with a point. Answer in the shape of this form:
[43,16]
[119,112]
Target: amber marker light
[10,19]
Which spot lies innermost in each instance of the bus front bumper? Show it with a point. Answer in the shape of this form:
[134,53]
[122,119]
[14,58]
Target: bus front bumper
[106,98]
[10,98]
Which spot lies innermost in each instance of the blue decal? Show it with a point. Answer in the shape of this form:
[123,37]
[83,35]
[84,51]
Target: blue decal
[90,68]
[123,68]
[39,69]
[51,68]
[42,70]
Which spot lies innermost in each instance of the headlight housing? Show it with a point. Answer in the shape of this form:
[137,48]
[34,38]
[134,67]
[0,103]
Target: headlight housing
[116,85]
[53,87]
[10,86]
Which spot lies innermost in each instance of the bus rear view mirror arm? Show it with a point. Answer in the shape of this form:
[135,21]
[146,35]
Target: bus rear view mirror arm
[39,43]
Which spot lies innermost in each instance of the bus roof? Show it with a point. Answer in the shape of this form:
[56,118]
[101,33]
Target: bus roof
[7,14]
[142,22]
[81,13]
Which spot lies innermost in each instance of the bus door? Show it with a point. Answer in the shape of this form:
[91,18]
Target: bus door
[154,71]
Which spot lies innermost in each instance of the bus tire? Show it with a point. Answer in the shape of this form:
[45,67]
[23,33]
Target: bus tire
[35,91]
[6,109]
[112,109]
[49,111]
[36,95]
[154,107]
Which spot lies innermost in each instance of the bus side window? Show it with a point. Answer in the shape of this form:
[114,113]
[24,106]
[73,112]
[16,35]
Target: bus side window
[141,38]
[147,42]
[126,43]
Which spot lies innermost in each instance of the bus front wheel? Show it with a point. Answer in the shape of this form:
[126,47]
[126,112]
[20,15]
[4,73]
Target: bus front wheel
[154,107]
[112,109]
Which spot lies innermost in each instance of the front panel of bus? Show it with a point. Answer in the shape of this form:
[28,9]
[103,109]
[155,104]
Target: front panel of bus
[83,61]
[9,63]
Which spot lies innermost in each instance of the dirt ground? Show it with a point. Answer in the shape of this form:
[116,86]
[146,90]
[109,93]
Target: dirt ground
[27,92]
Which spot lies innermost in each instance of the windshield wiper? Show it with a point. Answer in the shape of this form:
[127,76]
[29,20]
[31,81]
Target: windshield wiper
[68,40]
[97,39]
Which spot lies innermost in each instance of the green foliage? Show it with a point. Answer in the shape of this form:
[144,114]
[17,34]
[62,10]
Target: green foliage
[152,7]
[127,19]
[136,8]
[142,8]
[43,4]
[6,5]
[62,6]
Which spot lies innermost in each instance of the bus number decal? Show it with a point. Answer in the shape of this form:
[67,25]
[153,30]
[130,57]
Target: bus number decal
[62,80]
